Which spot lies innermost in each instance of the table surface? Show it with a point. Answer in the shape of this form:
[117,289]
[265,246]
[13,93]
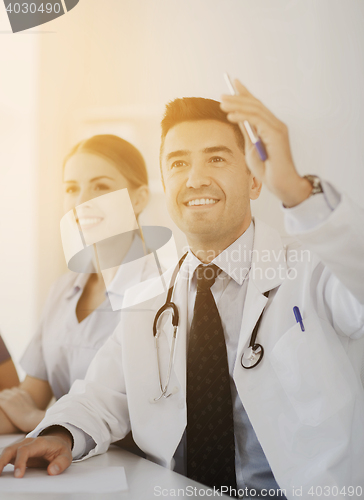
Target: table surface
[142,476]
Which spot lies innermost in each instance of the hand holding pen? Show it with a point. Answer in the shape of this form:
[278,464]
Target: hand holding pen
[255,139]
[278,171]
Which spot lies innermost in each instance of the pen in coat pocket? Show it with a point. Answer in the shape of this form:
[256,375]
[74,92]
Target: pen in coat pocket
[297,315]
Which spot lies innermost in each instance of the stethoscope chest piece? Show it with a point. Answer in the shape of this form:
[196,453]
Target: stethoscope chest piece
[254,353]
[252,356]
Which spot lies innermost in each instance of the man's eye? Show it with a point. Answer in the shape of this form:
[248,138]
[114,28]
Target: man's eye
[216,159]
[71,189]
[178,163]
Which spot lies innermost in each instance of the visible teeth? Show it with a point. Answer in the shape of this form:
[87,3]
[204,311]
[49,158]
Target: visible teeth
[202,201]
[89,221]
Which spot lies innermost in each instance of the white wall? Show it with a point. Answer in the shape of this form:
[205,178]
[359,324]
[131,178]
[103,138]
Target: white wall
[303,58]
[18,186]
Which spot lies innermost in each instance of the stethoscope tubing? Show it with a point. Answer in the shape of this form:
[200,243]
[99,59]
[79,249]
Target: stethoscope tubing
[256,350]
[168,305]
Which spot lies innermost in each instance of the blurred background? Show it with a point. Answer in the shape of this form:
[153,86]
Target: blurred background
[109,66]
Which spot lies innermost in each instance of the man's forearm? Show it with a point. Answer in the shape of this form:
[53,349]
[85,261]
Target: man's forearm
[337,239]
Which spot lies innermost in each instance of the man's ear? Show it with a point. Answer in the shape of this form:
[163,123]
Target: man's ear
[255,187]
[140,198]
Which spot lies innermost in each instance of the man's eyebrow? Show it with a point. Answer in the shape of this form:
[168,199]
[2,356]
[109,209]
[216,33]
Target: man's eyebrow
[218,149]
[92,180]
[212,149]
[180,152]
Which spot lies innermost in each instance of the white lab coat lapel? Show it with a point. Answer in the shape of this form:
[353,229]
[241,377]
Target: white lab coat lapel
[255,302]
[168,417]
[266,273]
[180,298]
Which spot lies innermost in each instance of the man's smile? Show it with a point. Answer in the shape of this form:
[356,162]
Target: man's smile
[198,202]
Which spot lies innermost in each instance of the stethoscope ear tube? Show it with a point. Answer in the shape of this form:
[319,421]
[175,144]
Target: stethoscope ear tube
[168,303]
[175,319]
[165,307]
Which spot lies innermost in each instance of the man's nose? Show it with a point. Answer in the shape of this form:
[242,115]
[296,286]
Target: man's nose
[197,176]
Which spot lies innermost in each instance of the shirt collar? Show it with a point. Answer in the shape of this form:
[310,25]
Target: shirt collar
[127,275]
[130,271]
[235,260]
[79,284]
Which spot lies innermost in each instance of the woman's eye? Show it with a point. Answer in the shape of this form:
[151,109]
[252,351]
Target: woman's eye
[178,163]
[71,189]
[101,187]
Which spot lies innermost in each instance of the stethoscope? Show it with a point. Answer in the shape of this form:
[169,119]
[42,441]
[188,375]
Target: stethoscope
[250,358]
[254,353]
[171,307]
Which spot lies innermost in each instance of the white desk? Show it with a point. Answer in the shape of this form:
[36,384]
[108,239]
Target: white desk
[141,474]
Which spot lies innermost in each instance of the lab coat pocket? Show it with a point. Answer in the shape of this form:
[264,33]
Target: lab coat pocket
[310,367]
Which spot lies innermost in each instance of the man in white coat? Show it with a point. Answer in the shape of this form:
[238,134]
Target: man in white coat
[298,414]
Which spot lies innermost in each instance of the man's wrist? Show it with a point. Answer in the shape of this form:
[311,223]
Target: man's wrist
[299,192]
[58,431]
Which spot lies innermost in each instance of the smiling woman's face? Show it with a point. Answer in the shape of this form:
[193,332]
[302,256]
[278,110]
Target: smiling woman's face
[87,176]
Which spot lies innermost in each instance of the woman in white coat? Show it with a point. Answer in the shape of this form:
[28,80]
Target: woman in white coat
[77,317]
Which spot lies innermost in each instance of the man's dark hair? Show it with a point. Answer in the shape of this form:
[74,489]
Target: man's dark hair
[193,109]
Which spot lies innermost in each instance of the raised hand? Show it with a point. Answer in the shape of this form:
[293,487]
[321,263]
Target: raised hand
[278,172]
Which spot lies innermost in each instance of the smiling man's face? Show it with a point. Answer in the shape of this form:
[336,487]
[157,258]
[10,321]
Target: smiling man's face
[207,184]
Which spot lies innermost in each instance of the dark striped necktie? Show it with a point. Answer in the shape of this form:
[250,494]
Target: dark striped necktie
[210,426]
